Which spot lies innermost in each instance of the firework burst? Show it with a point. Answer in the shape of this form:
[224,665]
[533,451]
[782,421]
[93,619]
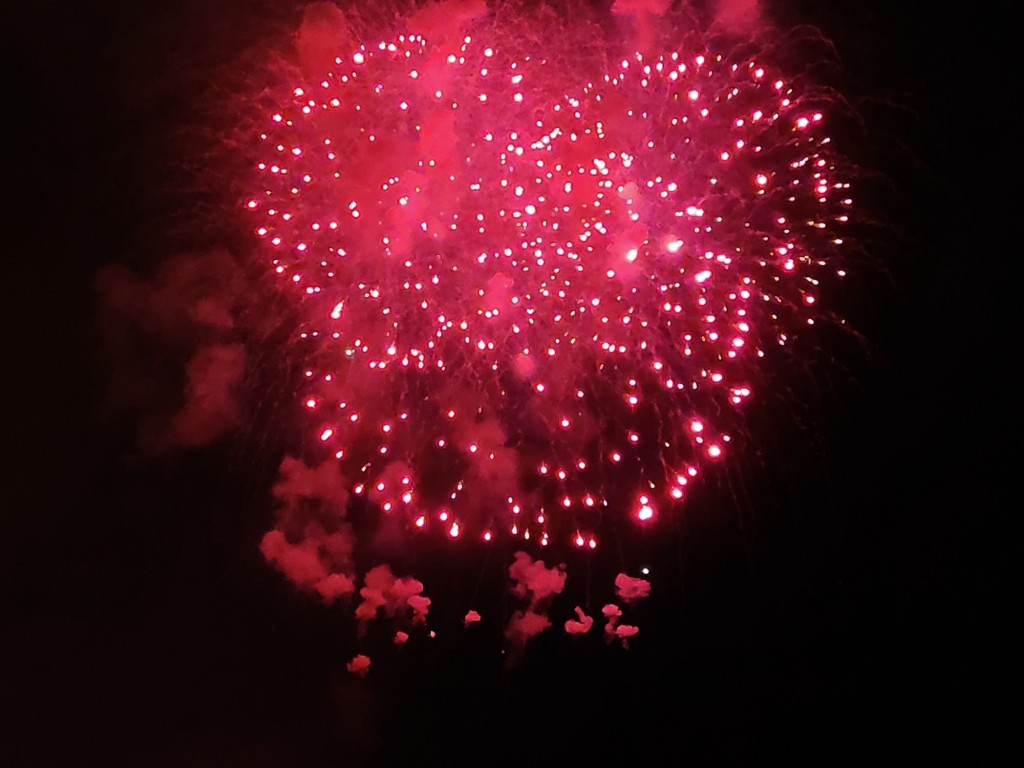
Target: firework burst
[535,297]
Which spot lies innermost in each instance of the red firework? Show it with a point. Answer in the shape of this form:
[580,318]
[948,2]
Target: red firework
[528,307]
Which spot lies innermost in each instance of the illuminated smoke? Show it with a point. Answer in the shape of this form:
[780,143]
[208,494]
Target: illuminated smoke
[359,665]
[580,627]
[613,630]
[383,592]
[629,588]
[536,585]
[311,555]
[186,313]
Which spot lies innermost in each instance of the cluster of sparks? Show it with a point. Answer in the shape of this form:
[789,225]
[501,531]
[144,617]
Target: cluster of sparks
[523,310]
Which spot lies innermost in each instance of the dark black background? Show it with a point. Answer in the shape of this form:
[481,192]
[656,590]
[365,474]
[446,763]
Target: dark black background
[843,601]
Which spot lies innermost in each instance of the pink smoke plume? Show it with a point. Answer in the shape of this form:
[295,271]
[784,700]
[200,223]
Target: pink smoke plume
[537,585]
[615,631]
[302,547]
[580,627]
[384,592]
[629,588]
[359,665]
[173,349]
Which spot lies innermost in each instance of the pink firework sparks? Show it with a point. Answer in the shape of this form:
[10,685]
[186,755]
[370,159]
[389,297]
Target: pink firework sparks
[529,307]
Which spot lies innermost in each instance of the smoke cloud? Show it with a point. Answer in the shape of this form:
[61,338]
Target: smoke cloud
[537,585]
[176,360]
[738,15]
[384,593]
[630,588]
[312,544]
[359,665]
[580,627]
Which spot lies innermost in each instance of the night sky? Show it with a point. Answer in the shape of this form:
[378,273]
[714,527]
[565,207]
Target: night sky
[834,595]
